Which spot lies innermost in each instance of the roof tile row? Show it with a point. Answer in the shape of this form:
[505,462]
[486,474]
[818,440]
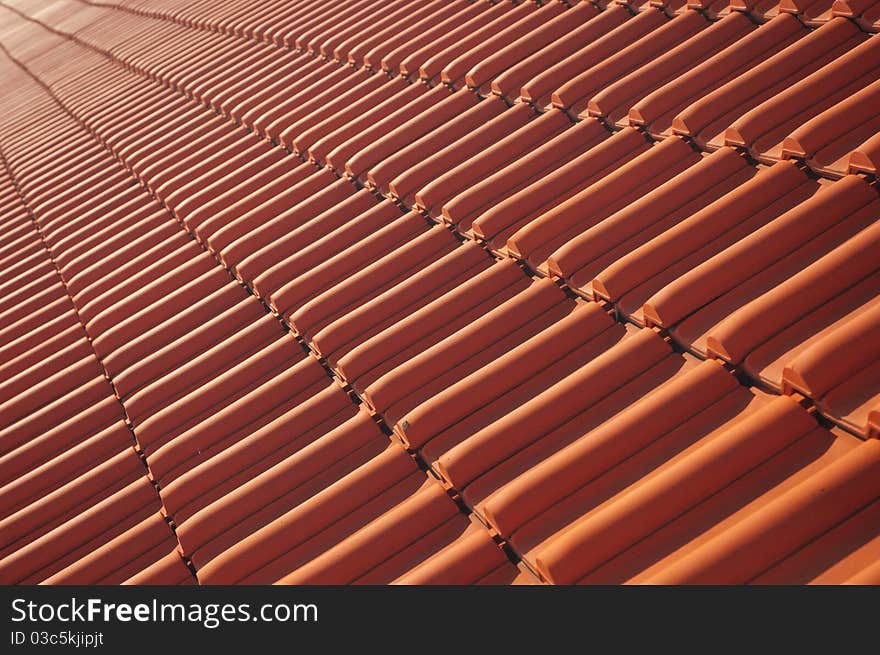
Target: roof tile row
[157,415]
[268,469]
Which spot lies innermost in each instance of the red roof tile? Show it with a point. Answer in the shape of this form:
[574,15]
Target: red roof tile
[866,12]
[492,229]
[635,277]
[693,305]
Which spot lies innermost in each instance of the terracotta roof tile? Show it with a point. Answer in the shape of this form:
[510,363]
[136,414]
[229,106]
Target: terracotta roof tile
[812,12]
[552,28]
[706,119]
[760,10]
[633,278]
[167,570]
[389,145]
[836,366]
[759,129]
[414,185]
[542,142]
[867,12]
[644,168]
[575,94]
[698,186]
[513,377]
[562,37]
[797,314]
[264,475]
[404,158]
[611,31]
[78,537]
[58,505]
[787,523]
[474,46]
[338,511]
[613,102]
[135,552]
[444,358]
[492,230]
[834,140]
[776,250]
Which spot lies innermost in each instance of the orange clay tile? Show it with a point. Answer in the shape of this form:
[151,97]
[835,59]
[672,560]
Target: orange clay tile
[563,37]
[696,187]
[574,95]
[607,270]
[707,118]
[838,367]
[649,167]
[776,251]
[761,129]
[866,12]
[833,299]
[865,158]
[457,185]
[615,100]
[635,276]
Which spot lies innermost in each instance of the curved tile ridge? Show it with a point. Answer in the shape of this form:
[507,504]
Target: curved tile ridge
[72,477]
[421,323]
[173,425]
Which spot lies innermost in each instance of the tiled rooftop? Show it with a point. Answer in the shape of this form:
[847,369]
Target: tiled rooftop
[439,292]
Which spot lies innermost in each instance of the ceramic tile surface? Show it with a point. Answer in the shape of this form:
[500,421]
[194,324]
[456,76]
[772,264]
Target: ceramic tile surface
[460,292]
